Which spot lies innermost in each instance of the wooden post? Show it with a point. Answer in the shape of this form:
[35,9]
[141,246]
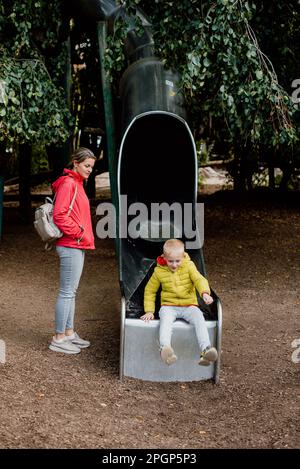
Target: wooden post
[59,155]
[109,122]
[108,111]
[24,182]
[271,176]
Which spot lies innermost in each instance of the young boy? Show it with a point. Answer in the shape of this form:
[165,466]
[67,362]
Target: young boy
[179,278]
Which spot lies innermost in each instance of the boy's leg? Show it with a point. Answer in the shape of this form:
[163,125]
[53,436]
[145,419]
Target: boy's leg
[194,315]
[167,316]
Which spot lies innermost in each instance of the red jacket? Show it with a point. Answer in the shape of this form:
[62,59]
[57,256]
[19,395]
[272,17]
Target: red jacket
[77,227]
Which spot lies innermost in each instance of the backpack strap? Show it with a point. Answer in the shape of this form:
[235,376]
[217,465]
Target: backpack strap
[48,246]
[72,201]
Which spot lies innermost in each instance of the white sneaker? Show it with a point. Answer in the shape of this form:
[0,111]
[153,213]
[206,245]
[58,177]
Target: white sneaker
[208,356]
[64,346]
[76,340]
[167,355]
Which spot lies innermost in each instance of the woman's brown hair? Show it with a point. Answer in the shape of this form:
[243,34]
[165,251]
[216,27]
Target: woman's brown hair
[82,154]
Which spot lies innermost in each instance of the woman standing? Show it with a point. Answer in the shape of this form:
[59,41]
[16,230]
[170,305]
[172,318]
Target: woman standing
[76,226]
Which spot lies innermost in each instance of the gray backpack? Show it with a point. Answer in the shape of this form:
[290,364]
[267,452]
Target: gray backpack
[44,223]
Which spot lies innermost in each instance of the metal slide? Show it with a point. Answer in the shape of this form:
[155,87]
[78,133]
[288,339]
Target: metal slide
[157,164]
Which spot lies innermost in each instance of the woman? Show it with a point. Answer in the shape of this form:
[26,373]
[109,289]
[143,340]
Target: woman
[76,226]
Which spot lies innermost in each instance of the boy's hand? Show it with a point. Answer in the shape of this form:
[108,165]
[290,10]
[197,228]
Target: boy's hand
[207,298]
[147,317]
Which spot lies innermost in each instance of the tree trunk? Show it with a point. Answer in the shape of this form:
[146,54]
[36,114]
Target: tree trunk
[24,184]
[271,176]
[1,203]
[287,172]
[239,177]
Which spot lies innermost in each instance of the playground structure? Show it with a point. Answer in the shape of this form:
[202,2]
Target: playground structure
[156,164]
[157,142]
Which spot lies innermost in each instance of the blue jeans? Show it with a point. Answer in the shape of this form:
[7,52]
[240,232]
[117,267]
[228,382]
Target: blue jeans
[71,265]
[191,314]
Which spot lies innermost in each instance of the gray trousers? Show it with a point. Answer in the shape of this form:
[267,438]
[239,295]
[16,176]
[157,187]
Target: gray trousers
[71,265]
[191,314]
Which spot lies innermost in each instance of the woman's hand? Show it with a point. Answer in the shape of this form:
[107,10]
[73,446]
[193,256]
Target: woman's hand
[207,298]
[147,317]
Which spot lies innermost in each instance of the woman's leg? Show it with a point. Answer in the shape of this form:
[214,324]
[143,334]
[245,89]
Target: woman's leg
[70,320]
[71,265]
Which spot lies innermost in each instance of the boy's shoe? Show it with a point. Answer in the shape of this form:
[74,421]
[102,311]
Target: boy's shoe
[76,340]
[208,356]
[167,355]
[64,346]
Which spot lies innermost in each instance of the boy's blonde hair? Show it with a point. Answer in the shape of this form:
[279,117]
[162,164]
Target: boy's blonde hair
[173,246]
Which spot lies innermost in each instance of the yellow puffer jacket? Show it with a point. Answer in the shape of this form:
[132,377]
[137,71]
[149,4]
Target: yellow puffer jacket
[178,288]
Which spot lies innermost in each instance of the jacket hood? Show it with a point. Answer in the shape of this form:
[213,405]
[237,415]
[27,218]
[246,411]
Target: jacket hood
[161,261]
[67,172]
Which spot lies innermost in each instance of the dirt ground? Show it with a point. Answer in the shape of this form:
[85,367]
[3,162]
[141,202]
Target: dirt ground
[48,400]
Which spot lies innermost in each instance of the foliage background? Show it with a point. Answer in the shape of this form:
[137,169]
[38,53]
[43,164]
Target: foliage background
[33,108]
[233,93]
[237,61]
